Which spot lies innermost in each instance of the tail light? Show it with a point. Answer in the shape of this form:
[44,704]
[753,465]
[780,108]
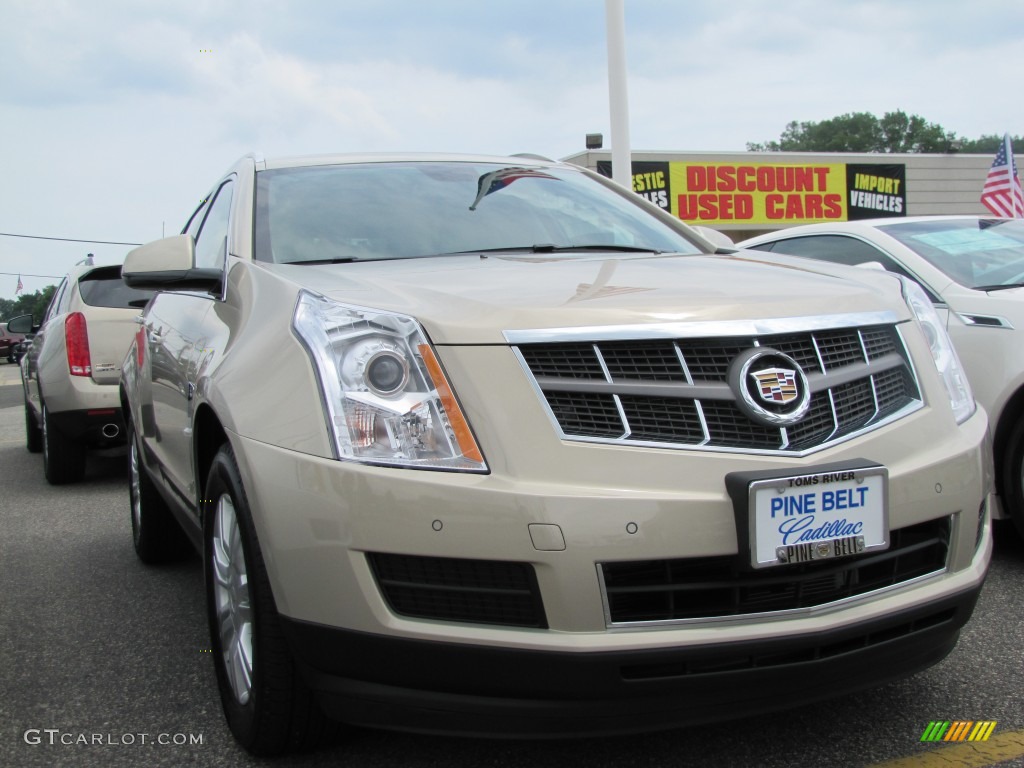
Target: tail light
[140,346]
[76,338]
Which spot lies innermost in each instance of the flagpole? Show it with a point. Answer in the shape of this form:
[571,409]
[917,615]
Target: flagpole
[1011,172]
[1008,151]
[618,99]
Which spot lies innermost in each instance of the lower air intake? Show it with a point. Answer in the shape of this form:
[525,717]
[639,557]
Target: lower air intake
[456,589]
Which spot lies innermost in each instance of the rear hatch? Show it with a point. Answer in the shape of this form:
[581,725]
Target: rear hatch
[110,308]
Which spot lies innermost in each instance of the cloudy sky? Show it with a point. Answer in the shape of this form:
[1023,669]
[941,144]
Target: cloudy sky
[117,115]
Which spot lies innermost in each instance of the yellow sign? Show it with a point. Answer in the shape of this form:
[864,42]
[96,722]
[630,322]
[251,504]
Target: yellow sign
[757,193]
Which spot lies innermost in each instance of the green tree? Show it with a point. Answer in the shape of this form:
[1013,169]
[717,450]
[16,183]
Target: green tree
[861,132]
[34,304]
[988,144]
[911,133]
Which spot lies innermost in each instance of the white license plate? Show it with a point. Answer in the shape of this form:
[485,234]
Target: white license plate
[818,516]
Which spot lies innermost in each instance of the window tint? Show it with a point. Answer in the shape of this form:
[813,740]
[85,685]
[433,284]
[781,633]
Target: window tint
[104,288]
[211,244]
[840,249]
[53,310]
[837,249]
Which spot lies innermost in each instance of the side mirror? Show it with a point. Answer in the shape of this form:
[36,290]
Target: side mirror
[22,324]
[718,239]
[169,264]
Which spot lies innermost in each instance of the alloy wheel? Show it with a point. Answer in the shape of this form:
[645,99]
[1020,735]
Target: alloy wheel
[233,604]
[136,487]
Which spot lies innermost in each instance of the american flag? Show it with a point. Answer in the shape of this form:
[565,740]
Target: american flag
[20,287]
[1002,192]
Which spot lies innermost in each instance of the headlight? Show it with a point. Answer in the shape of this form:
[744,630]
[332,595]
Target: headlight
[961,398]
[387,399]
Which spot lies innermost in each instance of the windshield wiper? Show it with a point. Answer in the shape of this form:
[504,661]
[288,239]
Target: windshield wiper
[544,248]
[337,260]
[999,287]
[552,248]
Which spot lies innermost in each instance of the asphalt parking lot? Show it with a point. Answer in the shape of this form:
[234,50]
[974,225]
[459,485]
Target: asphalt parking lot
[104,661]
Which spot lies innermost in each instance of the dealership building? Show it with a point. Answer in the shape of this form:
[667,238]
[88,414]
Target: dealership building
[747,193]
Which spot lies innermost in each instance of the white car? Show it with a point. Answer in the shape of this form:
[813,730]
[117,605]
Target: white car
[972,269]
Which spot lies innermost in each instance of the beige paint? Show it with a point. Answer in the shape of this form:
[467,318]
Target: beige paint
[316,516]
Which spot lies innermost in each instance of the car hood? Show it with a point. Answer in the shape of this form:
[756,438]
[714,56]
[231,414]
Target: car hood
[474,299]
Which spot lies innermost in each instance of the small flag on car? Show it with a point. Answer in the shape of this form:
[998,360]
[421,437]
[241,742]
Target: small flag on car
[1002,192]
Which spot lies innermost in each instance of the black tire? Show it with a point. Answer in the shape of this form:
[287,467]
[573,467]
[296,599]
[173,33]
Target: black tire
[33,434]
[155,533]
[268,708]
[1012,491]
[63,458]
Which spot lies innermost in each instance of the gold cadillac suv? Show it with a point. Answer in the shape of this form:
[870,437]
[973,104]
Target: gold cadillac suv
[71,369]
[490,445]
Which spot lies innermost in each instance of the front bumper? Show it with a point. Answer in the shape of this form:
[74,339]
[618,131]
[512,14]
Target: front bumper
[435,687]
[321,523]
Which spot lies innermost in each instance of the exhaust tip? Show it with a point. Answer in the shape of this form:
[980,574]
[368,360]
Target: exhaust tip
[111,430]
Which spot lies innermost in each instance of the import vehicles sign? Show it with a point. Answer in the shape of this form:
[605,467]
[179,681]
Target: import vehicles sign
[876,190]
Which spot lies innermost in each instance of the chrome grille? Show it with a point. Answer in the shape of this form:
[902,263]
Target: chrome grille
[673,392]
[586,414]
[662,418]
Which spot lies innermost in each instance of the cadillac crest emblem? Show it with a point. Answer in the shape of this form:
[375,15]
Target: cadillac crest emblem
[770,386]
[777,385]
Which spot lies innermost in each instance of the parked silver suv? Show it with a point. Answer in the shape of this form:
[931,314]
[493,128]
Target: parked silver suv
[492,445]
[71,369]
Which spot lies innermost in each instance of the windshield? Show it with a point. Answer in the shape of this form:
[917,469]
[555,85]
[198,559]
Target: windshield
[978,253]
[400,210]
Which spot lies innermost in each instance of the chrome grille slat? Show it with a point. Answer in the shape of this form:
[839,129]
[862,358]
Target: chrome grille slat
[674,392]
